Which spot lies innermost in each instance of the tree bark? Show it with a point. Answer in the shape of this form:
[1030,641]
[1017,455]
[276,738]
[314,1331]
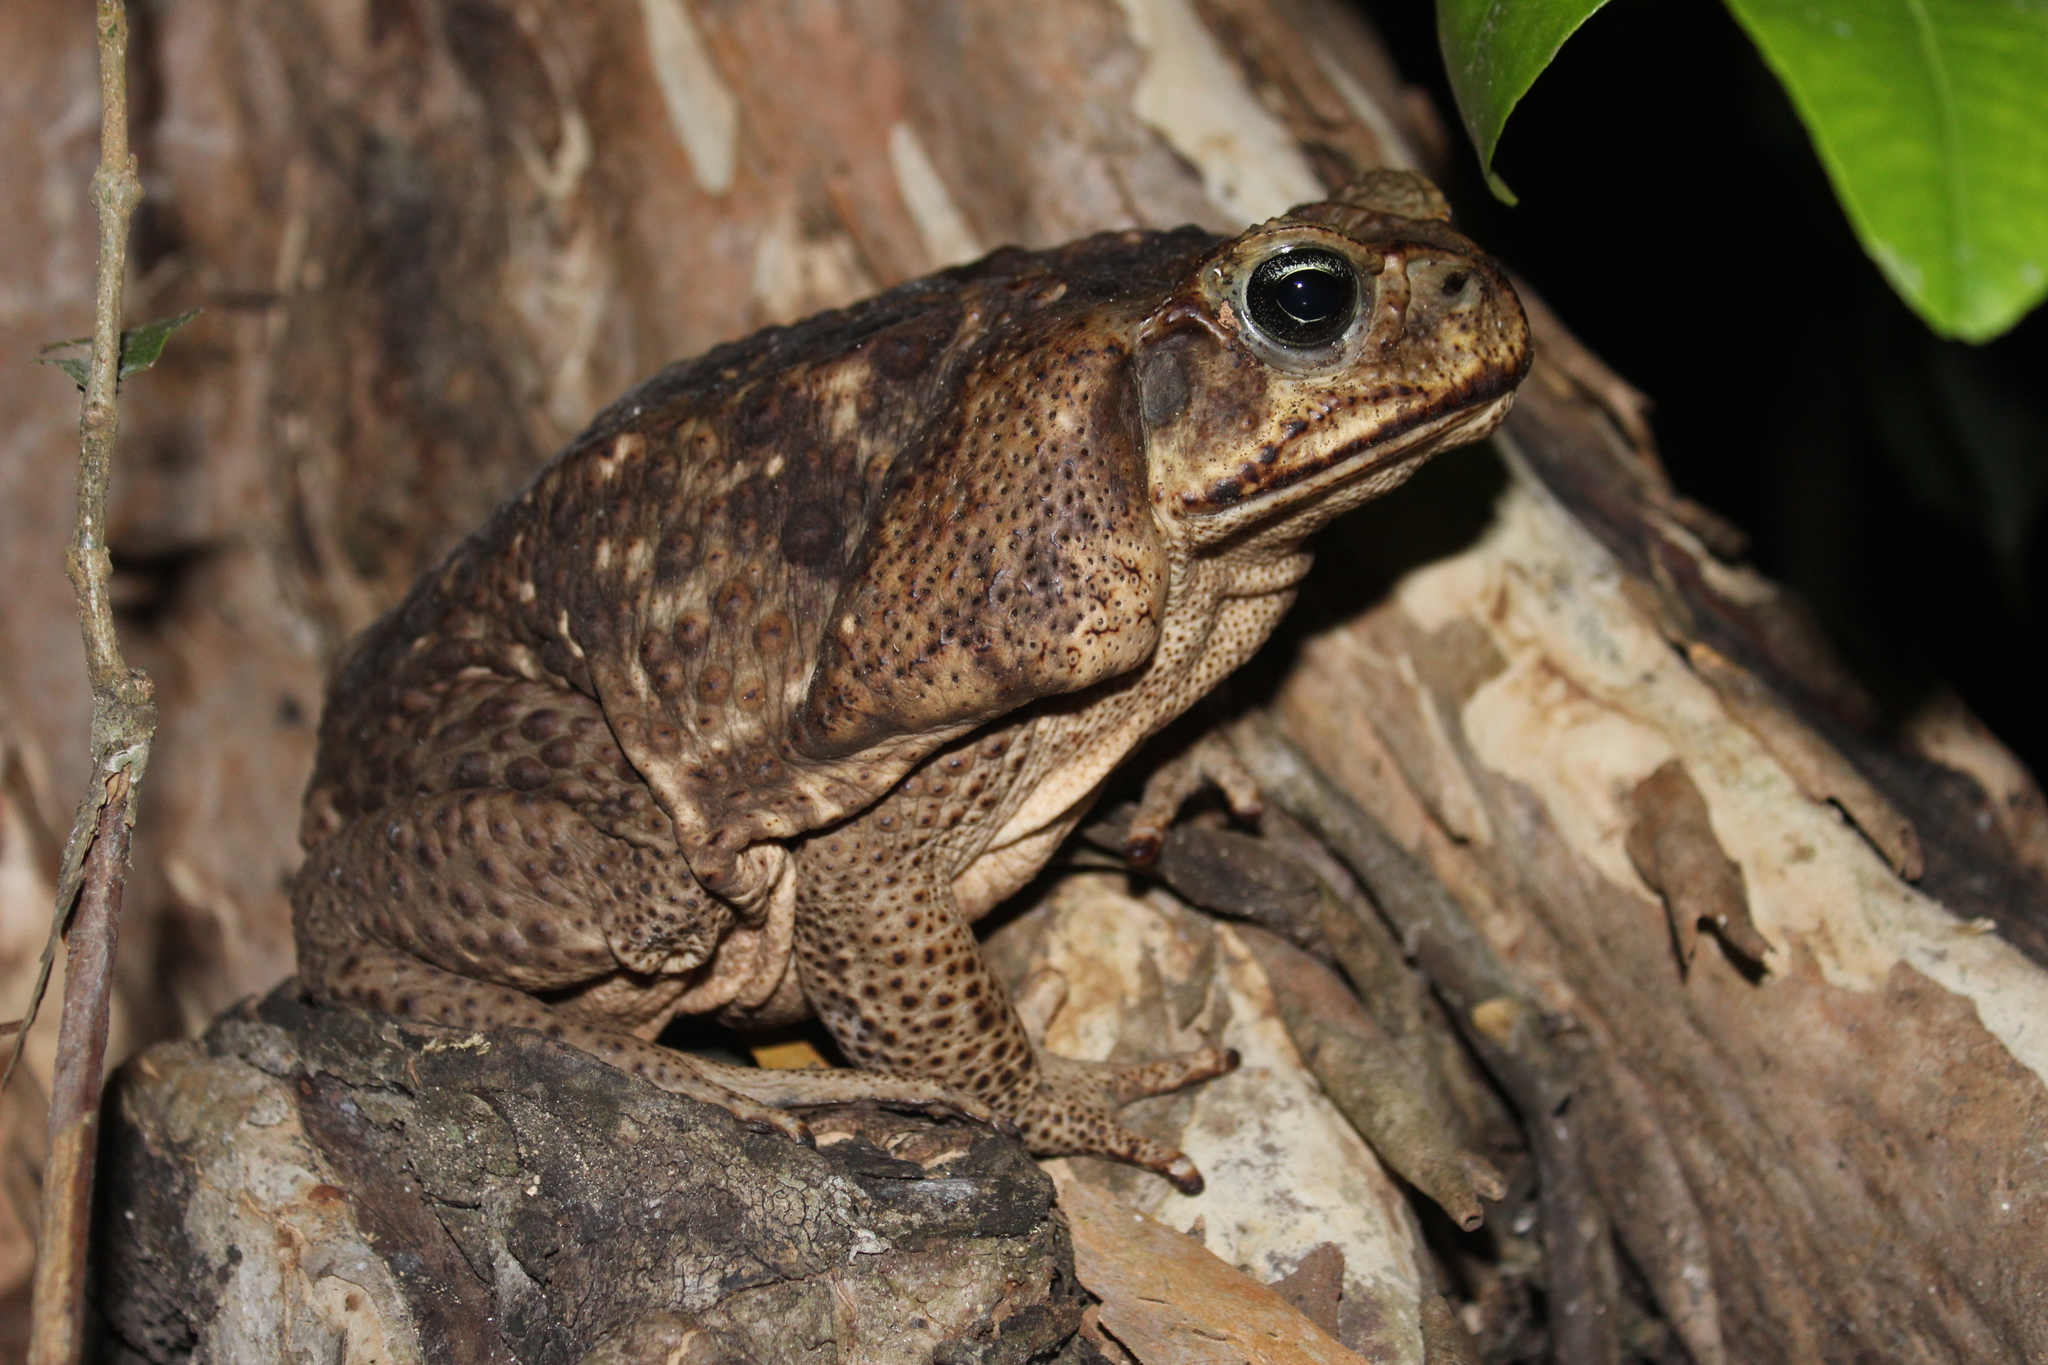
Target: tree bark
[434,236]
[326,1185]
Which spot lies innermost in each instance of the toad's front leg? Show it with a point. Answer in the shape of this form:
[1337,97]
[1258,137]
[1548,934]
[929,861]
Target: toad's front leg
[890,965]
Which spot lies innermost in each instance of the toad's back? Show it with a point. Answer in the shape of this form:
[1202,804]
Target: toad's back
[680,563]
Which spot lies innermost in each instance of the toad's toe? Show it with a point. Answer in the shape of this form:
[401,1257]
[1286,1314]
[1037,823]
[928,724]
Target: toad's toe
[1134,1081]
[1072,1113]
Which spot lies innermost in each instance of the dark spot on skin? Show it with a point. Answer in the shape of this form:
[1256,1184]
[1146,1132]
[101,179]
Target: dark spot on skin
[811,535]
[714,685]
[674,558]
[496,712]
[527,774]
[1162,385]
[732,601]
[452,656]
[903,351]
[470,770]
[774,634]
[668,678]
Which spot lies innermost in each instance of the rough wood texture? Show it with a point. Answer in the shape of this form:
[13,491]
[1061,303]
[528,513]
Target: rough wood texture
[1824,1159]
[434,235]
[327,1185]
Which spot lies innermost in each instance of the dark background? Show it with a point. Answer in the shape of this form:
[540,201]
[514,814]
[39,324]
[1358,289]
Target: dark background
[1674,214]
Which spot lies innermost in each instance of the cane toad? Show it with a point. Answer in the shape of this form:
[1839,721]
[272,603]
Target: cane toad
[811,650]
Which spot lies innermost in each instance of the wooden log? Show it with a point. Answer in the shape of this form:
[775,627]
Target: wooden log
[324,1184]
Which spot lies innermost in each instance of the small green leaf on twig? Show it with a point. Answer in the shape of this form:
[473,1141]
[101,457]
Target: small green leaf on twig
[1494,50]
[74,365]
[140,348]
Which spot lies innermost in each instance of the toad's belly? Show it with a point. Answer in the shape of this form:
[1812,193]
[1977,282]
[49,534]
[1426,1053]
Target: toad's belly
[1002,871]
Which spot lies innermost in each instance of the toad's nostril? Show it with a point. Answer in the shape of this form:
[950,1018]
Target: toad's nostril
[1454,282]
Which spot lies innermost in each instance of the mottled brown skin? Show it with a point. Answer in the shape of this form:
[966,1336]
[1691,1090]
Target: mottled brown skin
[811,650]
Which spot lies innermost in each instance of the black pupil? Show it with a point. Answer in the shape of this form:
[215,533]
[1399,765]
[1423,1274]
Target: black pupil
[1303,298]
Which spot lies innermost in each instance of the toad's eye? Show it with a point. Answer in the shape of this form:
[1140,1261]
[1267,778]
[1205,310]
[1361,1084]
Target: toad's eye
[1303,298]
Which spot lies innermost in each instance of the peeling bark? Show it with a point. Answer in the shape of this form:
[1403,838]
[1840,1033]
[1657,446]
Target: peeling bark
[1672,847]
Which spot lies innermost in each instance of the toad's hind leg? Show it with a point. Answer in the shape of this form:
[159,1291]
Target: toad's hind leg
[395,982]
[457,907]
[895,973]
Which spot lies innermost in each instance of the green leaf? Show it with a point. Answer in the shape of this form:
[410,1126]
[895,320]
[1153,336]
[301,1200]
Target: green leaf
[75,366]
[140,348]
[1494,50]
[1931,117]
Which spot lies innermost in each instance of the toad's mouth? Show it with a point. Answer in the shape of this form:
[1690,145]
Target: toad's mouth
[1464,415]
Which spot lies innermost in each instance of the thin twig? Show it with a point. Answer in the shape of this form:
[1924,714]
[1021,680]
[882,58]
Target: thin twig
[59,1311]
[1373,1082]
[123,722]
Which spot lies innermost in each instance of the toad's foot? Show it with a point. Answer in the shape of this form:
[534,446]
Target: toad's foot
[1072,1112]
[396,983]
[1209,761]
